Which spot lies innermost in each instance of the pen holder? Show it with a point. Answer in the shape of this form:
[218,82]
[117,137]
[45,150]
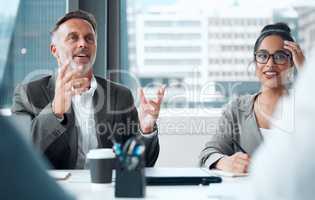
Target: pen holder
[130,177]
[130,183]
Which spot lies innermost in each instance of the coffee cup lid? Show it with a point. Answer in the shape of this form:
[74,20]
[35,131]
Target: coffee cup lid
[100,153]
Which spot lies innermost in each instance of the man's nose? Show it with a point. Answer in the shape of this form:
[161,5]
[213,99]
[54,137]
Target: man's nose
[82,43]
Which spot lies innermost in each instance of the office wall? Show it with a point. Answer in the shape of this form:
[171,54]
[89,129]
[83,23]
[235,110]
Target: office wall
[183,135]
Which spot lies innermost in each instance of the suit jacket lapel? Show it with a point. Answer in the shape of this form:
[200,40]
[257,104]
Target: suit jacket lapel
[49,89]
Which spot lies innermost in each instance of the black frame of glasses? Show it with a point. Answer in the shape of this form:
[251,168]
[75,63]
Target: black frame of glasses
[273,59]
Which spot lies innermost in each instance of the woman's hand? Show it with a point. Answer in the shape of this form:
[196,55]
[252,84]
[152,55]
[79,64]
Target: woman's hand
[297,53]
[238,163]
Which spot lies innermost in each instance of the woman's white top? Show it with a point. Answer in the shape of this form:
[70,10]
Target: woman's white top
[284,165]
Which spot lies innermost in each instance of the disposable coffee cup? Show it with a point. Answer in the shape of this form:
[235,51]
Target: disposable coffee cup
[101,163]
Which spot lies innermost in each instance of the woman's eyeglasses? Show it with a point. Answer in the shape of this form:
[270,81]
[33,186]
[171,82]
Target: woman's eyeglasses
[280,57]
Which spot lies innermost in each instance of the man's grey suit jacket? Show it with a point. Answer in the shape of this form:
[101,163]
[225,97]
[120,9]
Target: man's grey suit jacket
[115,115]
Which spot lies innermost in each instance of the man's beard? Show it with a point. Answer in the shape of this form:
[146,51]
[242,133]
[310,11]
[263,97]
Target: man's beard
[85,67]
[73,65]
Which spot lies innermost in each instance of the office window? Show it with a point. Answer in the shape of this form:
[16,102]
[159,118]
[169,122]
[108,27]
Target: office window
[172,36]
[172,62]
[214,41]
[158,23]
[28,55]
[161,49]
[172,23]
[7,22]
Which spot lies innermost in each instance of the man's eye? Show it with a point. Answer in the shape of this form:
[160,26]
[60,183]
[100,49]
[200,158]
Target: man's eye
[90,39]
[72,37]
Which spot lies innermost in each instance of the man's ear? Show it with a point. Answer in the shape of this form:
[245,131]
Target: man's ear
[53,50]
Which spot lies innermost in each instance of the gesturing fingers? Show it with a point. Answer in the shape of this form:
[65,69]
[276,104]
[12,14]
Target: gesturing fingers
[80,83]
[76,86]
[149,105]
[152,108]
[62,69]
[70,76]
[160,94]
[79,91]
[143,100]
[158,100]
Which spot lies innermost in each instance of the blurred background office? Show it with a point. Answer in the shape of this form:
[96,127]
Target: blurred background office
[200,49]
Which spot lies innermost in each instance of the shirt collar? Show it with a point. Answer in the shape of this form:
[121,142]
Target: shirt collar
[87,95]
[93,87]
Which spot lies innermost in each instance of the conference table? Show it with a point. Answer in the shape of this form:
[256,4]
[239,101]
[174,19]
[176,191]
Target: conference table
[79,184]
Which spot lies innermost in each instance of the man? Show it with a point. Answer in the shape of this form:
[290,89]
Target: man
[77,111]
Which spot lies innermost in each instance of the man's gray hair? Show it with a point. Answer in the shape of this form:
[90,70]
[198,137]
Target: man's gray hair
[78,14]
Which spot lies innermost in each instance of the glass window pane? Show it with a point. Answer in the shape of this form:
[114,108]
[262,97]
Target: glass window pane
[28,53]
[176,39]
[7,21]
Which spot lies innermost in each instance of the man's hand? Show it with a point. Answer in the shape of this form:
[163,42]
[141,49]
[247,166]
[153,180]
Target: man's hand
[238,163]
[68,84]
[149,110]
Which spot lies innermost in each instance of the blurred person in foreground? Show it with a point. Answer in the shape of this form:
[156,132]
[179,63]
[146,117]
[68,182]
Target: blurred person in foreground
[23,173]
[284,166]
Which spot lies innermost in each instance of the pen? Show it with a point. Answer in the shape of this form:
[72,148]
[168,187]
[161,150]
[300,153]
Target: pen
[238,146]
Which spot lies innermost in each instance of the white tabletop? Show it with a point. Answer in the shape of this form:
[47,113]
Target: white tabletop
[79,185]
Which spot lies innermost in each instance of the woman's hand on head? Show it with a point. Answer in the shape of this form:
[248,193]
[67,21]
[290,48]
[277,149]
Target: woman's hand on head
[297,53]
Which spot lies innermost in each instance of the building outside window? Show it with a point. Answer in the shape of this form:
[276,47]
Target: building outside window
[175,39]
[27,54]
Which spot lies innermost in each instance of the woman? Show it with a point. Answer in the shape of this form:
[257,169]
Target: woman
[246,120]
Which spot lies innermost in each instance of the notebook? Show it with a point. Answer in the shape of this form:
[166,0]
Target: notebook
[59,175]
